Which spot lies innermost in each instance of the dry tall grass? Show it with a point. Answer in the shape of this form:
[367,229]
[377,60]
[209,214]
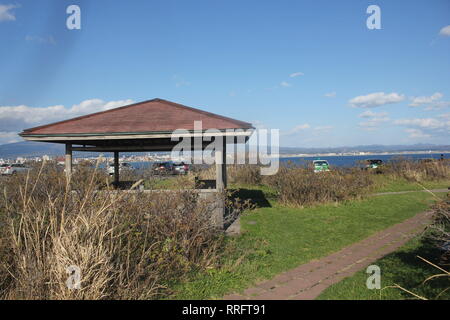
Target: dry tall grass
[299,186]
[440,228]
[245,174]
[126,245]
[418,171]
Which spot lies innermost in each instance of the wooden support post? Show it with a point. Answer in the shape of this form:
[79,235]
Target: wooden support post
[221,168]
[116,168]
[68,160]
[224,165]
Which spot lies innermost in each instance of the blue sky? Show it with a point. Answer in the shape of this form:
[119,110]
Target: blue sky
[309,68]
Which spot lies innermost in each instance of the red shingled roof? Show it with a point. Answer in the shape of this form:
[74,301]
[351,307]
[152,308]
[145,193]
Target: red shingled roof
[155,115]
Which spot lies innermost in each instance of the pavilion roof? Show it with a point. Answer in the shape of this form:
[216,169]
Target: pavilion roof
[152,116]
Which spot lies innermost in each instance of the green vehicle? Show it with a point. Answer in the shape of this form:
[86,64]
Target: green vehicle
[374,164]
[321,165]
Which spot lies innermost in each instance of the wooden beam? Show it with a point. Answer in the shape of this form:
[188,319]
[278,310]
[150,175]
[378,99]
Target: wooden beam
[124,148]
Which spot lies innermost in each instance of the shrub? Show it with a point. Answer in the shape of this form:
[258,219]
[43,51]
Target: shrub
[126,245]
[419,171]
[298,186]
[244,174]
[440,228]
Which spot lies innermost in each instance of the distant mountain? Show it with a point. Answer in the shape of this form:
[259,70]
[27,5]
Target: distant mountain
[36,149]
[369,148]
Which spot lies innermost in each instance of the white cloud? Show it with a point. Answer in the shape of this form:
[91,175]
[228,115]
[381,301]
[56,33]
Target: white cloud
[285,84]
[32,115]
[374,120]
[376,99]
[259,124]
[297,129]
[296,74]
[330,94]
[6,13]
[306,130]
[9,137]
[301,127]
[417,133]
[180,81]
[373,123]
[371,114]
[14,119]
[419,101]
[426,127]
[445,31]
[323,128]
[438,105]
[430,123]
[430,102]
[38,39]
[95,105]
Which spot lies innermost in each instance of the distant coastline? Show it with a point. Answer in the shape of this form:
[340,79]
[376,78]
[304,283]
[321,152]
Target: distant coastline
[33,150]
[352,154]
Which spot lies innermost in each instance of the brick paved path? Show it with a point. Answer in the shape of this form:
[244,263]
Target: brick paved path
[403,192]
[307,281]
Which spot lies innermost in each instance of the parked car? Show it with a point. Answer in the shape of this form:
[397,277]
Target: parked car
[10,169]
[180,168]
[123,167]
[321,165]
[163,168]
[373,163]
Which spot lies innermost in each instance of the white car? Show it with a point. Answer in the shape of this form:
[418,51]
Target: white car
[123,166]
[10,169]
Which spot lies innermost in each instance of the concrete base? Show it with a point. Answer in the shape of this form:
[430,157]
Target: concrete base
[235,228]
[219,215]
[217,206]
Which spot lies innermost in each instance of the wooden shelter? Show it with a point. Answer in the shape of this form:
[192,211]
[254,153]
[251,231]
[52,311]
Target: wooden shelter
[143,126]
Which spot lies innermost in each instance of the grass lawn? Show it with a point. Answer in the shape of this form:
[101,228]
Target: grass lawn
[401,267]
[385,183]
[277,238]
